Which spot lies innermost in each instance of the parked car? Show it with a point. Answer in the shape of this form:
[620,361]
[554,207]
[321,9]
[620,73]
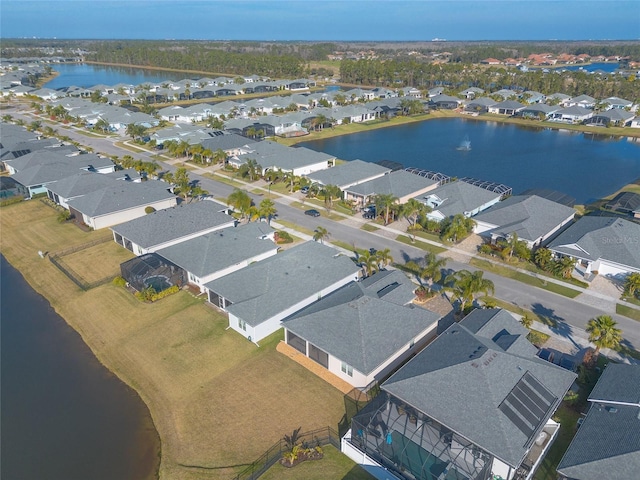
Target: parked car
[304,190]
[312,213]
[370,214]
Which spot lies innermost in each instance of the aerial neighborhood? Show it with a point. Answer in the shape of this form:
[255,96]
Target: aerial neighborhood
[458,387]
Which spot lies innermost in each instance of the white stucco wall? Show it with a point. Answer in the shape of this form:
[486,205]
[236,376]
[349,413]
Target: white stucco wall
[115,218]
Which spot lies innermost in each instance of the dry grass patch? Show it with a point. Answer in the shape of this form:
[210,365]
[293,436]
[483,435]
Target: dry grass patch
[97,262]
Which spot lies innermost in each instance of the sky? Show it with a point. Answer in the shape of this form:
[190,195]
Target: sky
[325,20]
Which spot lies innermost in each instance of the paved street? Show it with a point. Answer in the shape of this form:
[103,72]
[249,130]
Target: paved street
[572,315]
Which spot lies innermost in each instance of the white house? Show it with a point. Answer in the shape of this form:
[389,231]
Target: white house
[259,296]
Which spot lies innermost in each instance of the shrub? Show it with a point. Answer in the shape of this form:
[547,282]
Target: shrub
[486,249]
[150,294]
[119,281]
[283,237]
[11,201]
[149,210]
[63,216]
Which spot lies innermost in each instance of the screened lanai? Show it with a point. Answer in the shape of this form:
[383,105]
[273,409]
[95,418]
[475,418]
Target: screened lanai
[414,445]
[152,270]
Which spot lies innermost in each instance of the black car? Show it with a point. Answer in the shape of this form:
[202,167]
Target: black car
[369,214]
[312,213]
[304,190]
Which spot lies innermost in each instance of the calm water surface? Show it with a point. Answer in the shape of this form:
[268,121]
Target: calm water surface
[585,167]
[84,75]
[64,416]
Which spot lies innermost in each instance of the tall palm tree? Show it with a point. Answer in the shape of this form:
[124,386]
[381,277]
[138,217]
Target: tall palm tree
[632,284]
[543,258]
[514,246]
[432,269]
[240,201]
[465,285]
[564,267]
[384,201]
[330,192]
[384,257]
[368,262]
[603,332]
[412,210]
[267,209]
[457,227]
[321,234]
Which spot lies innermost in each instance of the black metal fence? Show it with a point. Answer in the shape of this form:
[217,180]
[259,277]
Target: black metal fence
[75,277]
[321,437]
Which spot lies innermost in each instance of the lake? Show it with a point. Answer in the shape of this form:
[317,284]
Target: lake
[592,67]
[64,415]
[586,167]
[86,75]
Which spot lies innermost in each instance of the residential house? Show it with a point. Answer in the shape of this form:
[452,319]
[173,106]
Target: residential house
[479,105]
[607,444]
[446,102]
[539,111]
[259,296]
[617,103]
[531,96]
[435,91]
[612,117]
[584,101]
[410,92]
[476,403]
[572,114]
[170,226]
[213,255]
[348,174]
[534,219]
[606,245]
[506,94]
[458,198]
[364,330]
[230,143]
[559,99]
[274,156]
[507,107]
[471,93]
[401,184]
[76,185]
[120,202]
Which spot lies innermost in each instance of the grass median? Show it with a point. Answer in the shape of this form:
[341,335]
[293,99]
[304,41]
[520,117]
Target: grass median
[217,401]
[524,278]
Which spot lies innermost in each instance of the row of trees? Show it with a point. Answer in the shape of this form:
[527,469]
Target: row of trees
[242,203]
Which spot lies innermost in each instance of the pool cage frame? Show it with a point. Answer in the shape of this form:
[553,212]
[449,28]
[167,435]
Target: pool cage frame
[415,446]
[139,270]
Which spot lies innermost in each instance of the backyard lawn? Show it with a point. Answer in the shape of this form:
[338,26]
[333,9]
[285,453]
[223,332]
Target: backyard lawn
[217,400]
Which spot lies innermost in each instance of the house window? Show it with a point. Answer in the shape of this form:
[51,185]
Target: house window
[242,325]
[348,369]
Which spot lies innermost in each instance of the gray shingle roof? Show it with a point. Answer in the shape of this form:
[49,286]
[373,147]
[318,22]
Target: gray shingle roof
[226,142]
[399,183]
[220,249]
[80,184]
[607,445]
[460,197]
[463,380]
[360,328]
[530,216]
[45,173]
[173,223]
[266,288]
[348,173]
[608,238]
[270,154]
[121,196]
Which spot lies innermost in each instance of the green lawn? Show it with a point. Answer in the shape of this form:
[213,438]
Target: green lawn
[334,465]
[524,278]
[294,226]
[628,312]
[423,245]
[367,227]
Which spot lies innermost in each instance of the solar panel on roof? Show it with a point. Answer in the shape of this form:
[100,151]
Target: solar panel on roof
[539,388]
[515,419]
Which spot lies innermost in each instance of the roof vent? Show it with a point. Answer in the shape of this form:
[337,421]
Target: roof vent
[612,410]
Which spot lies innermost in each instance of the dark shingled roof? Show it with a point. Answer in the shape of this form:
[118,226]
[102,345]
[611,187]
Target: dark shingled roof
[467,382]
[625,202]
[607,445]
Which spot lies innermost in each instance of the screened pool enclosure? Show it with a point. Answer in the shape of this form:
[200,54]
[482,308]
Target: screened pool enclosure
[152,270]
[415,446]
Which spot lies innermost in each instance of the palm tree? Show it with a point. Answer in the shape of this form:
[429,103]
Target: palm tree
[457,227]
[384,258]
[432,269]
[513,245]
[384,201]
[632,284]
[320,233]
[240,201]
[267,210]
[526,321]
[564,267]
[368,262]
[412,210]
[465,285]
[251,169]
[543,258]
[603,332]
[330,192]
[219,156]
